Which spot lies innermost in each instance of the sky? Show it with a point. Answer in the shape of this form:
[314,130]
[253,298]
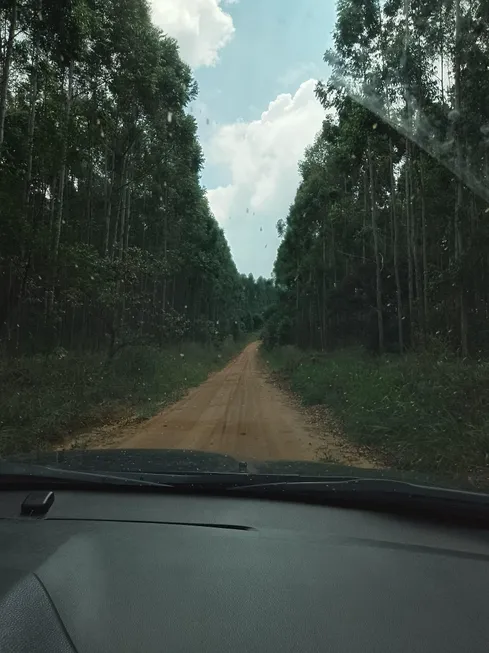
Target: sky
[256,63]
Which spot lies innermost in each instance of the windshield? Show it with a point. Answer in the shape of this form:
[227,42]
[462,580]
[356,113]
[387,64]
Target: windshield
[246,231]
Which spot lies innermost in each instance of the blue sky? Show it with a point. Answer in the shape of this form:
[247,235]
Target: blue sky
[256,62]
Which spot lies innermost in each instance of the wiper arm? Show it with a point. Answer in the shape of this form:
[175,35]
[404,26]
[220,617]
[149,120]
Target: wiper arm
[374,493]
[348,486]
[15,473]
[334,485]
[11,472]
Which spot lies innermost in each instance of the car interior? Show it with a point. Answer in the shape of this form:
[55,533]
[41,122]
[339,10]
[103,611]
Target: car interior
[147,571]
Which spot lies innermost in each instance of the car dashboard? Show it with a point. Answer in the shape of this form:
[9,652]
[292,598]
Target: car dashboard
[107,572]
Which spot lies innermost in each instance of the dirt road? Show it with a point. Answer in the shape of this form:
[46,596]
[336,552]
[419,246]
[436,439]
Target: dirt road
[237,411]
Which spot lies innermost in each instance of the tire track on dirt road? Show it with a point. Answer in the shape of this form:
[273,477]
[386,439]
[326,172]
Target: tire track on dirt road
[239,412]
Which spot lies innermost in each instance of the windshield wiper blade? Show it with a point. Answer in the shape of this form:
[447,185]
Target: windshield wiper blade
[193,481]
[334,490]
[15,473]
[374,490]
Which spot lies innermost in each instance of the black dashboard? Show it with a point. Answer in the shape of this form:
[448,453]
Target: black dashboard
[110,572]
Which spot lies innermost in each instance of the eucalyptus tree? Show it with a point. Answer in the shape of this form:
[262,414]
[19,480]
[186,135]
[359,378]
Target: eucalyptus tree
[106,235]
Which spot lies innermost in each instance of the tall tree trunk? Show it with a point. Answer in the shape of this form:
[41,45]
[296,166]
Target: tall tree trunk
[396,249]
[6,70]
[128,219]
[416,260]
[165,247]
[424,244]
[88,206]
[298,316]
[378,273]
[365,211]
[53,190]
[407,170]
[324,288]
[310,314]
[122,190]
[108,186]
[122,229]
[459,198]
[62,170]
[32,120]
[61,190]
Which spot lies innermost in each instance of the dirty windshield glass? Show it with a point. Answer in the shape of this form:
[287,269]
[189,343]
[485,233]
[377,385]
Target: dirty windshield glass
[236,231]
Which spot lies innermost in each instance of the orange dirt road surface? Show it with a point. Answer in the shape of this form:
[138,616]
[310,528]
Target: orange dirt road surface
[237,411]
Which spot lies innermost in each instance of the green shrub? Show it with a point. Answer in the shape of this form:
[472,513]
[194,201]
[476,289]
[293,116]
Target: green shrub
[43,399]
[423,412]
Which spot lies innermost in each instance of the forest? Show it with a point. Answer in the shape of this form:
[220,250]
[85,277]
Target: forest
[382,272]
[106,234]
[387,239]
[107,241]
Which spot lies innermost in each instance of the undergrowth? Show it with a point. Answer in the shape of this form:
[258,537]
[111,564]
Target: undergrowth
[44,399]
[422,412]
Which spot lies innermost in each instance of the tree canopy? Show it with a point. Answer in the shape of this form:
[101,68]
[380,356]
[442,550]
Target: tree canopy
[386,241]
[106,235]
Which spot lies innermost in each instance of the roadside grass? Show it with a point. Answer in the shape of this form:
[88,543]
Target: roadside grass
[420,412]
[44,399]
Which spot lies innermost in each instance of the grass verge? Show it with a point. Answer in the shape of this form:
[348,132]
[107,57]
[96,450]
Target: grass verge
[44,399]
[420,412]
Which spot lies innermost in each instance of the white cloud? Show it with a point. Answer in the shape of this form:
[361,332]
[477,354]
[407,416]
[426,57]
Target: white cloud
[221,200]
[201,27]
[261,159]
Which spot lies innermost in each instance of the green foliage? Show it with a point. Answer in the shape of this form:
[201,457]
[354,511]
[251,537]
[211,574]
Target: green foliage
[422,412]
[44,399]
[277,329]
[385,244]
[106,235]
